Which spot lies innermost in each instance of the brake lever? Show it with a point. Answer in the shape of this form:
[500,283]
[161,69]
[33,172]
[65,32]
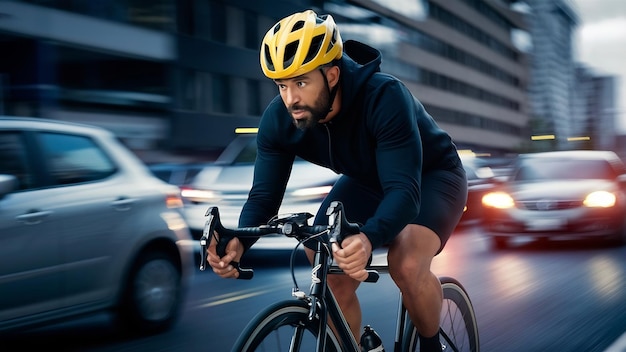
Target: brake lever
[207,234]
[340,225]
[213,223]
[337,217]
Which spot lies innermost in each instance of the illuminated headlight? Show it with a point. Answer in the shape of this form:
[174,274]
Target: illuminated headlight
[311,192]
[600,199]
[499,200]
[199,194]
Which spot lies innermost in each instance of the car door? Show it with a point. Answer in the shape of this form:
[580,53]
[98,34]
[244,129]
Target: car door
[92,206]
[31,269]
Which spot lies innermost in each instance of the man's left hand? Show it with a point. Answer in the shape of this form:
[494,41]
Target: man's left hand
[353,256]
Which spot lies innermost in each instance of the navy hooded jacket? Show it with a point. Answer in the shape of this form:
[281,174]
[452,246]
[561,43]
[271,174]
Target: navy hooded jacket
[382,136]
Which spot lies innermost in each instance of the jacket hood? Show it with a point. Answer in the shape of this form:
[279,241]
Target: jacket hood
[357,65]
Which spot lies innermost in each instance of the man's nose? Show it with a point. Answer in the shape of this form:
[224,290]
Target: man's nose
[291,97]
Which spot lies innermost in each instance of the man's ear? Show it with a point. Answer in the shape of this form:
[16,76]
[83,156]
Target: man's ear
[332,75]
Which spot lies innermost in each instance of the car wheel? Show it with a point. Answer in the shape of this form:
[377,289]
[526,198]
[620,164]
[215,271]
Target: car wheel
[499,242]
[151,299]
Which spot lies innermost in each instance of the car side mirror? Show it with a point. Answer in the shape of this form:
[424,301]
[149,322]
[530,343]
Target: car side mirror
[8,184]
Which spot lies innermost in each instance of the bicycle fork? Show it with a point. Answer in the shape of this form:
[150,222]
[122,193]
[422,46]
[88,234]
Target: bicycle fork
[323,304]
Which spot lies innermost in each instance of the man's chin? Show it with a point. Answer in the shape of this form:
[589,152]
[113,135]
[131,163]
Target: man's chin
[301,124]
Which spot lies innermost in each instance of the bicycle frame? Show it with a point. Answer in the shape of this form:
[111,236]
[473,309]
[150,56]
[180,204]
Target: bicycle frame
[324,305]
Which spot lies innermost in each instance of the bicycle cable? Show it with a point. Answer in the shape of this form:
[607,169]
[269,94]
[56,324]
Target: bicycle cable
[295,250]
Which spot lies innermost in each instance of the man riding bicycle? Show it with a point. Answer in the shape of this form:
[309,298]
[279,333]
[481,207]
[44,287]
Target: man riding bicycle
[401,176]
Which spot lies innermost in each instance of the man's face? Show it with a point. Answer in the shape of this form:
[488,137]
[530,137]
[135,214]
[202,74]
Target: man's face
[306,97]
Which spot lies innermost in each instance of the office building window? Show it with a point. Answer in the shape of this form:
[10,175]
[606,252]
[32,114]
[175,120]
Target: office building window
[217,22]
[195,91]
[251,27]
[254,97]
[221,97]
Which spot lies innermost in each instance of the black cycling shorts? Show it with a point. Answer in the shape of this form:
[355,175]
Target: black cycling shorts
[443,197]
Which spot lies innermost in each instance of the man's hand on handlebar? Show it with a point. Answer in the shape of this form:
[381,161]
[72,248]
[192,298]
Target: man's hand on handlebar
[353,255]
[221,266]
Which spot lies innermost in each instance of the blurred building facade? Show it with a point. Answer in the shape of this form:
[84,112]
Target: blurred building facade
[552,87]
[568,101]
[596,97]
[106,63]
[180,76]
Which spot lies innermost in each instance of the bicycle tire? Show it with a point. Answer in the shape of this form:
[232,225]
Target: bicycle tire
[273,329]
[459,330]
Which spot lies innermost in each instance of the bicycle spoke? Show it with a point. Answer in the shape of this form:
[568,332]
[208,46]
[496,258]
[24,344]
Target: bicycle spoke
[456,333]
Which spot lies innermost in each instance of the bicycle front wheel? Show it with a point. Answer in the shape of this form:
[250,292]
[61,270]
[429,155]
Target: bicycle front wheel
[284,326]
[458,329]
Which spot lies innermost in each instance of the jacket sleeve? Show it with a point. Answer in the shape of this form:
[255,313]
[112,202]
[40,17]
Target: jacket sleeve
[391,116]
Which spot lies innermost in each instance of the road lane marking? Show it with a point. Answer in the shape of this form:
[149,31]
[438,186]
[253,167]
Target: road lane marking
[237,296]
[234,298]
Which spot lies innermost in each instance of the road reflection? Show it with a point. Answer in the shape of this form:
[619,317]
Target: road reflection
[511,276]
[605,277]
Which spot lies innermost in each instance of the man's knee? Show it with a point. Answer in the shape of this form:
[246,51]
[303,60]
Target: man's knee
[411,254]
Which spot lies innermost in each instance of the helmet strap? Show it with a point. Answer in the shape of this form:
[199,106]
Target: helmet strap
[331,92]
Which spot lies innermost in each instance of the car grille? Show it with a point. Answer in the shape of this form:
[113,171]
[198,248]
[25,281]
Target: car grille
[548,205]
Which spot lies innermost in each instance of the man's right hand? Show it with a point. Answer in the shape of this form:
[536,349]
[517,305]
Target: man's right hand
[221,266]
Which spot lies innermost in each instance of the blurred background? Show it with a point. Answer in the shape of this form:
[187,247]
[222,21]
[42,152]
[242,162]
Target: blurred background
[174,79]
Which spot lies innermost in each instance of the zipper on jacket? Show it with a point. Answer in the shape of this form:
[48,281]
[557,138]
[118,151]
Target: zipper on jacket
[330,154]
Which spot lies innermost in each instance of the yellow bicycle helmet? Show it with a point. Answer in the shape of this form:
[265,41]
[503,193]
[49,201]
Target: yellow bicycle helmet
[300,43]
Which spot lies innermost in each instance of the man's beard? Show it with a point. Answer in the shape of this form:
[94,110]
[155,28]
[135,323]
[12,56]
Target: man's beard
[318,111]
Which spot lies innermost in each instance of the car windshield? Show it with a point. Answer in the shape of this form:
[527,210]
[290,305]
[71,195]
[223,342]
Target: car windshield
[563,169]
[248,154]
[241,151]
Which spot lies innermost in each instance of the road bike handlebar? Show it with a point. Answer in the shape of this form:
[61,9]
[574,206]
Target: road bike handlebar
[291,225]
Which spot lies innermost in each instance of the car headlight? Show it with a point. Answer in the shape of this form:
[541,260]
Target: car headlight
[498,200]
[600,199]
[311,192]
[199,195]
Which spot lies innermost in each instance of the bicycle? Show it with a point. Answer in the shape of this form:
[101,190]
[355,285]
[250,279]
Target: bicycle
[297,324]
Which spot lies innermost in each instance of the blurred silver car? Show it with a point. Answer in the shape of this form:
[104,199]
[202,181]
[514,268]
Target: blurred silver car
[226,184]
[85,227]
[559,195]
